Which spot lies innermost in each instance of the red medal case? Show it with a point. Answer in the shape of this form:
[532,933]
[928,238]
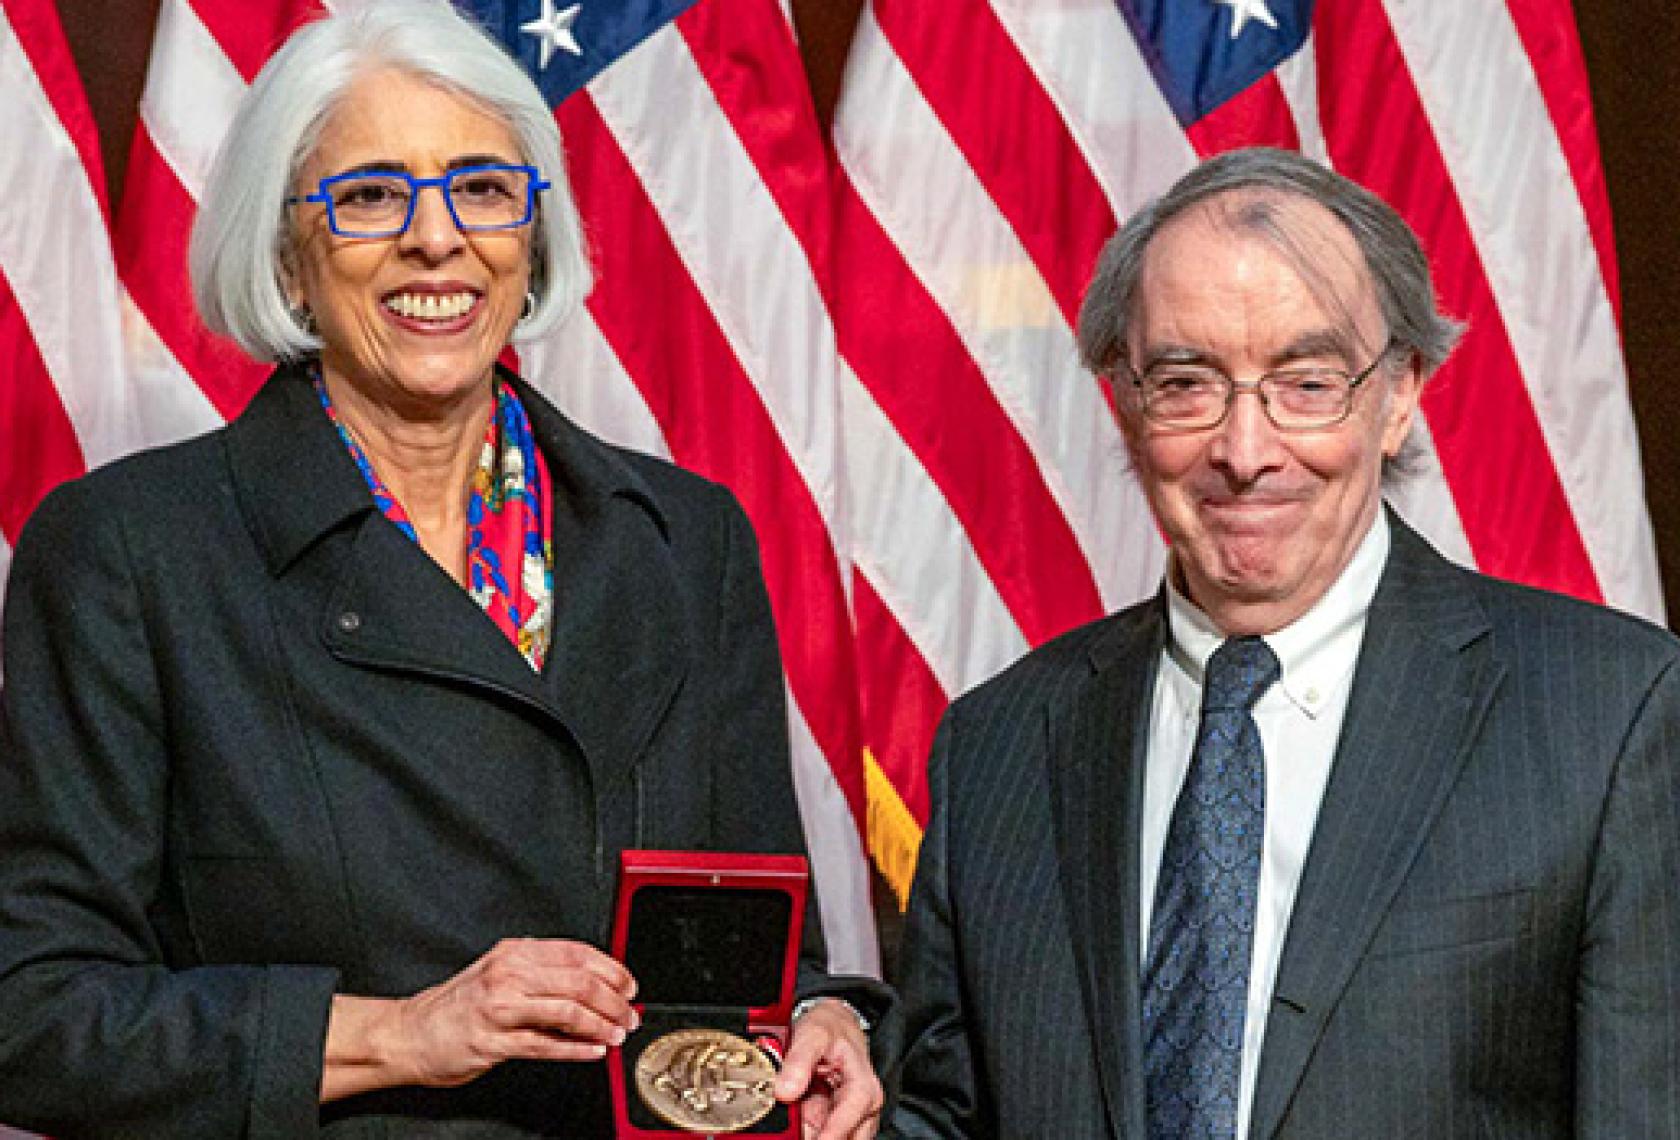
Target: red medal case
[712,939]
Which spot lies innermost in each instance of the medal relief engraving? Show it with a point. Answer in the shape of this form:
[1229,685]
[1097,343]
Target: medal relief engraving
[706,1080]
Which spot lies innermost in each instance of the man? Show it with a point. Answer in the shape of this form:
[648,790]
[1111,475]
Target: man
[1331,839]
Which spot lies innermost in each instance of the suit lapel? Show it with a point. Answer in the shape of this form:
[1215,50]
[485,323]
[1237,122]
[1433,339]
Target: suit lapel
[1098,738]
[1421,688]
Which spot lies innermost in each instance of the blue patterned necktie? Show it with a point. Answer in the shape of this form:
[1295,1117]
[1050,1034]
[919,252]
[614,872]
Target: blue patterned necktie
[1201,933]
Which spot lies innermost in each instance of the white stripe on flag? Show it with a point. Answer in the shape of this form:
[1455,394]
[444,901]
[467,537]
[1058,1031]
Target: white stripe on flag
[54,246]
[917,556]
[838,861]
[169,404]
[576,368]
[192,92]
[5,563]
[1425,501]
[914,180]
[1479,89]
[1297,78]
[1085,56]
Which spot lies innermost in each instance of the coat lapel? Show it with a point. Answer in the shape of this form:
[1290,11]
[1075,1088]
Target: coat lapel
[393,608]
[1422,686]
[620,642]
[1098,737]
[621,639]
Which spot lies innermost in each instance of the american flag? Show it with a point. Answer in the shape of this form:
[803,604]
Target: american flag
[869,337]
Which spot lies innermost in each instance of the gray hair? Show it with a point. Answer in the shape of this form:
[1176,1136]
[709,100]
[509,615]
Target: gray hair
[241,239]
[1394,260]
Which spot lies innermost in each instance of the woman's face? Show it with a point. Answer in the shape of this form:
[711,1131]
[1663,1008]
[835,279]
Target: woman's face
[417,320]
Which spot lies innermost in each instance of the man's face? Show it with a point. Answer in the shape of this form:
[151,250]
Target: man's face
[1261,521]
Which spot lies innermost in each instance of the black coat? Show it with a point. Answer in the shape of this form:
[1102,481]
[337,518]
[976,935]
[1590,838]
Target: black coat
[257,748]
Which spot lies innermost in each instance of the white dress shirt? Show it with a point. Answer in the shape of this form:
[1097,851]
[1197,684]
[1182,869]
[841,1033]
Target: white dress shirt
[1300,719]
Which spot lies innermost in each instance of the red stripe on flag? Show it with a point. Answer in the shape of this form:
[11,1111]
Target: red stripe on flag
[902,699]
[1510,500]
[39,448]
[1010,132]
[1259,115]
[154,222]
[768,102]
[250,33]
[904,350]
[1547,31]
[717,425]
[35,22]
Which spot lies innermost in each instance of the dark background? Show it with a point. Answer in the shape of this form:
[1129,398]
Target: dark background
[1633,55]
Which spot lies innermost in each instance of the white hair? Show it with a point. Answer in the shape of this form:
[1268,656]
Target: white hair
[241,239]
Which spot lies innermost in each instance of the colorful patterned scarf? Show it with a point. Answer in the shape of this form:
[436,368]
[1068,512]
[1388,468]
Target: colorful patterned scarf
[510,551]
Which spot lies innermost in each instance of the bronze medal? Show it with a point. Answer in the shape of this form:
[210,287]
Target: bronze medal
[706,1080]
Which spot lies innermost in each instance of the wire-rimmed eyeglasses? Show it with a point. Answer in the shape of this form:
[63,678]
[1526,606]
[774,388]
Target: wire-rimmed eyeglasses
[379,204]
[1193,397]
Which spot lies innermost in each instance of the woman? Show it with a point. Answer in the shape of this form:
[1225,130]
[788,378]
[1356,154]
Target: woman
[321,734]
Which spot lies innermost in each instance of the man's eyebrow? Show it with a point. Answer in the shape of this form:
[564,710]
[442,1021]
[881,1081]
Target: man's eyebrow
[1173,353]
[1316,344]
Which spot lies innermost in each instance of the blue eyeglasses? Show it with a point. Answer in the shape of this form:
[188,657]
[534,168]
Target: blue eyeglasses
[381,204]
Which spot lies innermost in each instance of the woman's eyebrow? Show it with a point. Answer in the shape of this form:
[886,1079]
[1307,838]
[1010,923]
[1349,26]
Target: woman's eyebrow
[480,160]
[392,166]
[375,166]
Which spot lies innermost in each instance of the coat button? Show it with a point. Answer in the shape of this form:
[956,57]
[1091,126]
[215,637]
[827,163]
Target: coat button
[349,621]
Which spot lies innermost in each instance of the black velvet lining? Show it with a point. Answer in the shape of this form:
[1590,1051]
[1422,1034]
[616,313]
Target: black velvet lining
[708,946]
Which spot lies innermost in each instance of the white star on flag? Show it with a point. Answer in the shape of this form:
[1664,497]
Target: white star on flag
[553,29]
[1242,11]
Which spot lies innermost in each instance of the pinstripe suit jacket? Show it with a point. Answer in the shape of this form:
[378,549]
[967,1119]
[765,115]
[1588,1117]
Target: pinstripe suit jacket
[1486,941]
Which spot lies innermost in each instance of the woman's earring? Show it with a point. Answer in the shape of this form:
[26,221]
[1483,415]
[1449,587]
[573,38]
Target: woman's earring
[530,305]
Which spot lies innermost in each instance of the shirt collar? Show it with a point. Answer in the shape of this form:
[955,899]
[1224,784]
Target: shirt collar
[1317,650]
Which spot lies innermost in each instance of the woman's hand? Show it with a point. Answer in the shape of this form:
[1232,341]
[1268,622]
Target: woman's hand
[532,999]
[827,1071]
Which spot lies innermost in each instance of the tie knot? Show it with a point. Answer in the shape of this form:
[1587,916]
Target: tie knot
[1237,673]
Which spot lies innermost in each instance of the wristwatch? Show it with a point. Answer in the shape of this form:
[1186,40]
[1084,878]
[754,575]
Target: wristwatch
[805,1006]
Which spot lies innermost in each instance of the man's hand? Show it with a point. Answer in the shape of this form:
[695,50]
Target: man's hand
[827,1071]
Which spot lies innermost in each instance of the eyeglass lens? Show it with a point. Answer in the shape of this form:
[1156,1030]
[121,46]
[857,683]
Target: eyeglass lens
[1201,397]
[481,198]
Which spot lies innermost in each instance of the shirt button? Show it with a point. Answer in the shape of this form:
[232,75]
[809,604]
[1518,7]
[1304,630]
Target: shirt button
[1312,696]
[349,621]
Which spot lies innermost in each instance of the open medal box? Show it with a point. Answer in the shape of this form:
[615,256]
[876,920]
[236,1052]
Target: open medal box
[713,940]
